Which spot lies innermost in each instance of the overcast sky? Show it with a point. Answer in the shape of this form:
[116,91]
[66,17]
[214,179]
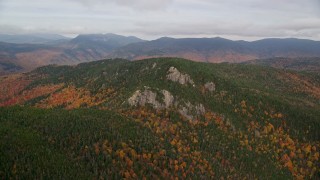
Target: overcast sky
[150,19]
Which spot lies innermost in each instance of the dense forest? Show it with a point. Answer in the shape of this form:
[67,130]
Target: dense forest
[162,118]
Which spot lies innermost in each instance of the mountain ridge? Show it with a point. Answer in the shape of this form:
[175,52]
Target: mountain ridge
[32,38]
[220,49]
[91,47]
[82,48]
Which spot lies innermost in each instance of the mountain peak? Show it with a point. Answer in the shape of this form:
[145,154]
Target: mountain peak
[101,35]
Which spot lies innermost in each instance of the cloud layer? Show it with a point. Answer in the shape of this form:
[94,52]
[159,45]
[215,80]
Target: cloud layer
[245,19]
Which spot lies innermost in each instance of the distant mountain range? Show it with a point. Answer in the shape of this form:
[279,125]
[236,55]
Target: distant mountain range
[30,51]
[33,38]
[83,48]
[219,49]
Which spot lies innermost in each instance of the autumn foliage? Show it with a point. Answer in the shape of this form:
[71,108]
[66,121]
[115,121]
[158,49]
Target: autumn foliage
[75,122]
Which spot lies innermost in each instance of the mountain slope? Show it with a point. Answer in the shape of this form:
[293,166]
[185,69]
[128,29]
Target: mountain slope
[298,64]
[289,47]
[219,49]
[187,119]
[110,40]
[198,49]
[26,56]
[91,47]
[84,48]
[32,38]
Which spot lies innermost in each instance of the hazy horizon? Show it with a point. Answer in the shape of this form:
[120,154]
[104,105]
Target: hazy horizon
[151,39]
[151,19]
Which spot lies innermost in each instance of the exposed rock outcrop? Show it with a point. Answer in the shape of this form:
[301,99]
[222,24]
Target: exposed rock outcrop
[185,113]
[176,76]
[168,98]
[154,65]
[190,110]
[141,98]
[200,110]
[210,86]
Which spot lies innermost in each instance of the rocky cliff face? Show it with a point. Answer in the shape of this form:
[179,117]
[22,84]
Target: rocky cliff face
[147,96]
[176,76]
[168,98]
[141,98]
[185,108]
[190,111]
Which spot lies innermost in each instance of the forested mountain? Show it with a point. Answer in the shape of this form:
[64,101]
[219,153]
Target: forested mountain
[83,48]
[311,64]
[219,49]
[25,57]
[111,40]
[91,47]
[160,118]
[33,38]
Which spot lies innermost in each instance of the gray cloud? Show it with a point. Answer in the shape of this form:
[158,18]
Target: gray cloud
[237,29]
[136,4]
[8,29]
[247,19]
[145,4]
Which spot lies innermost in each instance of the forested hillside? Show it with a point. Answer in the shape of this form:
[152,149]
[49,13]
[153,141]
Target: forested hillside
[160,118]
[298,64]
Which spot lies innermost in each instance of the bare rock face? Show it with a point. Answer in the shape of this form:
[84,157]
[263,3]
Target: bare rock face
[186,109]
[176,76]
[200,110]
[190,110]
[185,113]
[143,98]
[168,98]
[154,65]
[210,86]
[134,99]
